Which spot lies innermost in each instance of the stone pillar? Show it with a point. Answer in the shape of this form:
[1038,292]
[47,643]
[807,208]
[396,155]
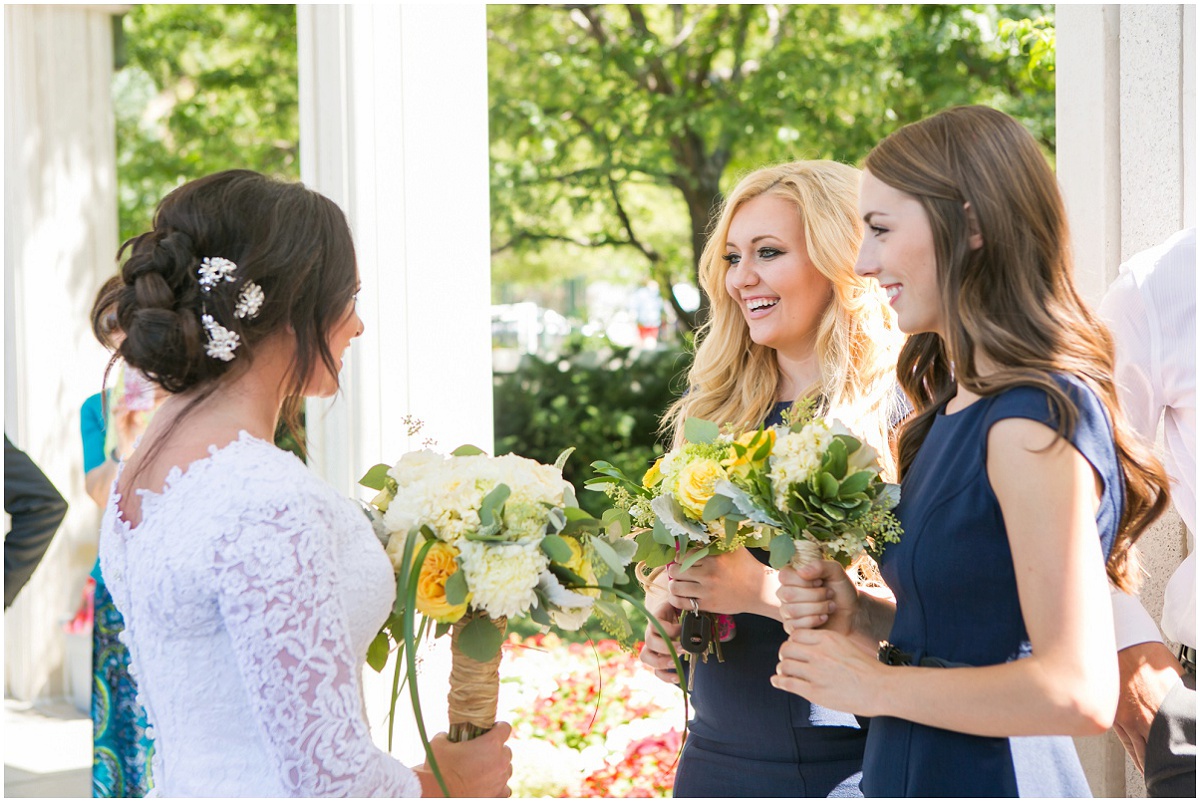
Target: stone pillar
[393,108]
[60,242]
[1126,164]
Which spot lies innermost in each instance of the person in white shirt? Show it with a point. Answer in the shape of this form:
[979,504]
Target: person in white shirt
[1151,311]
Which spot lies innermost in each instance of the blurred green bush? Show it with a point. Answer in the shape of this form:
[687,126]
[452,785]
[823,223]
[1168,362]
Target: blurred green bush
[602,399]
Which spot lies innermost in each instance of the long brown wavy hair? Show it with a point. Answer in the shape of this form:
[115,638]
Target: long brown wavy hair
[1013,300]
[735,380]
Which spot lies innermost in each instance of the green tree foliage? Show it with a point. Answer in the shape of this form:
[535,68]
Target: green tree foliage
[617,127]
[202,88]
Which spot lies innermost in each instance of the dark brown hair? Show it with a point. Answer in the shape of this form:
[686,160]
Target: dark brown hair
[293,242]
[1012,300]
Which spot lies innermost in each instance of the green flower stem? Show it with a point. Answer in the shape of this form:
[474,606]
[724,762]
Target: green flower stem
[666,639]
[410,654]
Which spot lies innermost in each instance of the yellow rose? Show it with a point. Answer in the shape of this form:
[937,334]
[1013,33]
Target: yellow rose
[579,565]
[654,475]
[694,485]
[740,466]
[440,565]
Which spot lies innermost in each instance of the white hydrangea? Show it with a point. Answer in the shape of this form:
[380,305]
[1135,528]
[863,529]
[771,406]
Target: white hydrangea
[447,493]
[502,576]
[796,456]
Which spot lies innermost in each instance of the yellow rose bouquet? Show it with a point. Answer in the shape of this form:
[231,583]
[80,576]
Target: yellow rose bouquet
[476,540]
[678,518]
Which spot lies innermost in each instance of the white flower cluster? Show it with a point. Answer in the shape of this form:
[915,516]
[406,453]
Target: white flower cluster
[796,455]
[446,494]
[503,577]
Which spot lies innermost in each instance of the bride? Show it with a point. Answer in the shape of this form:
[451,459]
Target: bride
[250,588]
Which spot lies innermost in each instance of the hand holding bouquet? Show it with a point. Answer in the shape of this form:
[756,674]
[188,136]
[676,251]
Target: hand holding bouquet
[476,540]
[676,521]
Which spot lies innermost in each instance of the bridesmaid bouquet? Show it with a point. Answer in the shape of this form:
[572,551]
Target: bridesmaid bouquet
[678,517]
[819,489]
[476,540]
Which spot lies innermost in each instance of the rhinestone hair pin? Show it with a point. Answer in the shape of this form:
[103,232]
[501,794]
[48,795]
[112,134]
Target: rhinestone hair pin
[214,271]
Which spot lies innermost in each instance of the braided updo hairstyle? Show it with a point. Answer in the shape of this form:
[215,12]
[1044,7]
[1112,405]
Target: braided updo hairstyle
[293,242]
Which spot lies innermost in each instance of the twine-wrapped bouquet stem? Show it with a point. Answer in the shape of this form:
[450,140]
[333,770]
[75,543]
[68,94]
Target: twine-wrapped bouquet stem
[474,686]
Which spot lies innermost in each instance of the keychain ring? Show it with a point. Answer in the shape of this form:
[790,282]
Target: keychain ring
[695,606]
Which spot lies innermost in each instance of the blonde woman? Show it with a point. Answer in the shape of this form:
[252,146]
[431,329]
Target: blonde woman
[789,319]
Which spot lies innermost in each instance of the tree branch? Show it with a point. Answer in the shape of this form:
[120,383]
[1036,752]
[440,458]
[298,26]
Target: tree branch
[546,236]
[627,224]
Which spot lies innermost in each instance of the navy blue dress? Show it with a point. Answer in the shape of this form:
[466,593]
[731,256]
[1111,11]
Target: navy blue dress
[750,739]
[956,599]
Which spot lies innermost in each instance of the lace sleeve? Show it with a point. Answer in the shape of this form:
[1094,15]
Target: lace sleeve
[290,638]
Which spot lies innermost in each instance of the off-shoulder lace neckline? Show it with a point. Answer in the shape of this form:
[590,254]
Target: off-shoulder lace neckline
[177,476]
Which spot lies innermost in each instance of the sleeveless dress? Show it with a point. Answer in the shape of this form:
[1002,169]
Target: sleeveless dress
[747,738]
[121,750]
[251,590]
[956,592]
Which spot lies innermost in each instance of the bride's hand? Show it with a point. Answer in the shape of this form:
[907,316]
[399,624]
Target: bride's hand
[477,768]
[729,583]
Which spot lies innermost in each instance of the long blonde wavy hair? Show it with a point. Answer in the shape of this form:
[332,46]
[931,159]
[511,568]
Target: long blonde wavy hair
[734,380]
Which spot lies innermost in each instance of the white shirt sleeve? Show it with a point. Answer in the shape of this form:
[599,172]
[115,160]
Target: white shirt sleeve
[1151,312]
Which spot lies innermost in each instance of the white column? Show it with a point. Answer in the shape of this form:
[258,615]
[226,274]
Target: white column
[396,133]
[60,242]
[1126,163]
[394,128]
[1087,69]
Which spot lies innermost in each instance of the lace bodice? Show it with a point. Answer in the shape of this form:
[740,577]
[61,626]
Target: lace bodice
[250,592]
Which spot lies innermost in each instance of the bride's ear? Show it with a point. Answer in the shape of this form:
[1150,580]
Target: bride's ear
[974,235]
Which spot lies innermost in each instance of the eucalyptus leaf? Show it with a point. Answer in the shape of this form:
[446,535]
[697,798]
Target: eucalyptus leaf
[557,549]
[480,639]
[694,558]
[655,559]
[456,587]
[377,652]
[467,450]
[610,556]
[624,547]
[698,430]
[376,478]
[661,535]
[442,628]
[576,514]
[782,548]
[539,615]
[716,507]
[731,529]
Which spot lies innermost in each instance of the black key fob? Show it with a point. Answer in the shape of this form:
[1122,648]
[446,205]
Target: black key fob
[695,632]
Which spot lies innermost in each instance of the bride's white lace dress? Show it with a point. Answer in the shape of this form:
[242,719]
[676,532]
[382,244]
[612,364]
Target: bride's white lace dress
[250,591]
